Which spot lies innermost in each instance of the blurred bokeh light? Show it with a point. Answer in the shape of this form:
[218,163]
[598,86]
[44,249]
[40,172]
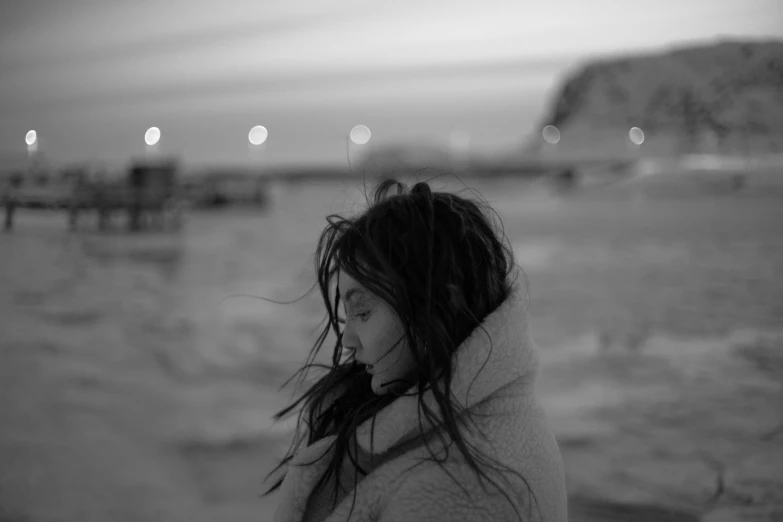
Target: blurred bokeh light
[551,134]
[152,136]
[258,135]
[636,135]
[360,134]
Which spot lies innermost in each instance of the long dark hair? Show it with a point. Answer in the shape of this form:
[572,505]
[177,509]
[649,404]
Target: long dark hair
[438,261]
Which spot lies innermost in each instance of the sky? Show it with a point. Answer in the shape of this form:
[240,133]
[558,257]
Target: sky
[91,76]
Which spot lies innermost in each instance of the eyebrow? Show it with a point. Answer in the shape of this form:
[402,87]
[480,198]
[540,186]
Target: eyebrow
[354,292]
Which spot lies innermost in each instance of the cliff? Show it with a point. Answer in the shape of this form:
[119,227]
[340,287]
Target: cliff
[726,97]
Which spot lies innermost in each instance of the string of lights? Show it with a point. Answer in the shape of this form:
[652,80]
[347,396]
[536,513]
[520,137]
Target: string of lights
[359,135]
[257,136]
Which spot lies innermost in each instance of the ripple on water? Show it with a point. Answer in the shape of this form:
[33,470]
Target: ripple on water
[77,318]
[28,298]
[585,509]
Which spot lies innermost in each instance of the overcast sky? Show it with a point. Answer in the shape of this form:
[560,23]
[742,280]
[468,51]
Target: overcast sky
[92,76]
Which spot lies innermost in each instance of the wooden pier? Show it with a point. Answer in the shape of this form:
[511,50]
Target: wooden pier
[148,195]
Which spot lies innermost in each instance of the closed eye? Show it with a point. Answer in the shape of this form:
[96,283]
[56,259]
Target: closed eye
[361,315]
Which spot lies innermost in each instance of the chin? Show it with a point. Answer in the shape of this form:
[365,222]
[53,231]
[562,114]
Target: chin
[377,386]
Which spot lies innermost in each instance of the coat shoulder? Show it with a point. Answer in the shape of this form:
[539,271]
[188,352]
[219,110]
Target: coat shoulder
[523,479]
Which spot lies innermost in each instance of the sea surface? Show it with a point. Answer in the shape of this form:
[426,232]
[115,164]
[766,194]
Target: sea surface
[139,373]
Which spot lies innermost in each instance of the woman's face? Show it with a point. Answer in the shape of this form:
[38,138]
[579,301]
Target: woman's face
[374,332]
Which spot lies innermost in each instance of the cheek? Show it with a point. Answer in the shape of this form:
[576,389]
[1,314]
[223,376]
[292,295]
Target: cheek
[391,351]
[398,365]
[378,337]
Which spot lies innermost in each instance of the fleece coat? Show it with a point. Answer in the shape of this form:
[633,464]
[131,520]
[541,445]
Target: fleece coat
[494,381]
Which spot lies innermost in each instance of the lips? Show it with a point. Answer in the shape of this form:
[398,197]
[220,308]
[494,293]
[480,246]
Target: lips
[367,367]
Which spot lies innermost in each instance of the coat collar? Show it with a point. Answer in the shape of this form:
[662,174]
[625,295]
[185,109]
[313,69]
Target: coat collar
[481,368]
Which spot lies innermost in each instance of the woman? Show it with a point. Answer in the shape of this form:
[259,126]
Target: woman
[427,412]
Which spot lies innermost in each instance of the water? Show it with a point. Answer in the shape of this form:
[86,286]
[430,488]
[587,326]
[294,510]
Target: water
[142,336]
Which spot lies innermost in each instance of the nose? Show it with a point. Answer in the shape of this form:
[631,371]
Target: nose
[349,339]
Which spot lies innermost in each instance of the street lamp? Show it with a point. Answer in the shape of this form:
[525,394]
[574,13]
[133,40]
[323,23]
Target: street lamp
[152,136]
[152,139]
[551,134]
[257,135]
[360,134]
[31,138]
[256,142]
[256,145]
[636,135]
